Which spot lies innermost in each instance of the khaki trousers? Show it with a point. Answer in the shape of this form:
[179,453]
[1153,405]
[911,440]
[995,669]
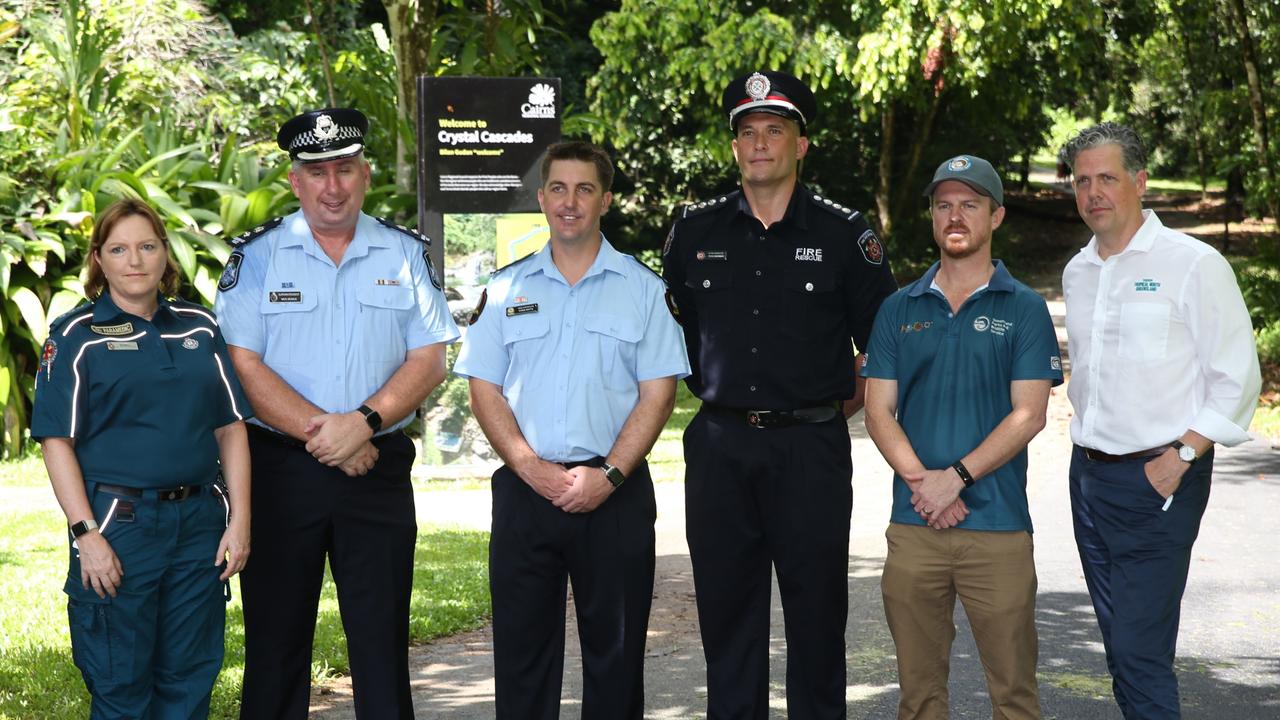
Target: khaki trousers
[994,575]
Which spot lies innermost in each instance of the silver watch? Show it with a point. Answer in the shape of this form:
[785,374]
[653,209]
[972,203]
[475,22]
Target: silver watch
[1186,453]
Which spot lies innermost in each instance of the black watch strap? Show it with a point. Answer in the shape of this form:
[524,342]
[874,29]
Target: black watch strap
[613,474]
[964,474]
[371,417]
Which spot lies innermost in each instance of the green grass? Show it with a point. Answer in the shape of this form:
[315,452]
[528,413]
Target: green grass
[666,460]
[1266,422]
[38,679]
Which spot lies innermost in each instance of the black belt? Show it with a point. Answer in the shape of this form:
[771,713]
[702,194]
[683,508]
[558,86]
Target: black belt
[779,418]
[1099,456]
[594,462]
[181,492]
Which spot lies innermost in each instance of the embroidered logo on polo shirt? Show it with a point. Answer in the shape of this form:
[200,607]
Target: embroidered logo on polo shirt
[916,326]
[809,254]
[113,330]
[191,343]
[522,309]
[277,296]
[1146,285]
[122,345]
[996,325]
[1055,362]
[46,357]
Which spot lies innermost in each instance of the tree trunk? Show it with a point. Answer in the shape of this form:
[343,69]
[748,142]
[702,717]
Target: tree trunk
[884,184]
[324,52]
[1256,103]
[412,27]
[919,141]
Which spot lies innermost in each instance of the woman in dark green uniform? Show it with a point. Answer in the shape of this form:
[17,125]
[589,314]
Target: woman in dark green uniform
[139,413]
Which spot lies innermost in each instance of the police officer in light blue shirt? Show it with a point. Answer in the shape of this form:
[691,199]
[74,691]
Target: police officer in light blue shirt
[573,358]
[337,325]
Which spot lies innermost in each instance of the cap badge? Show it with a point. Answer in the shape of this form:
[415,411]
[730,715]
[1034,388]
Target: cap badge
[326,128]
[758,86]
[959,164]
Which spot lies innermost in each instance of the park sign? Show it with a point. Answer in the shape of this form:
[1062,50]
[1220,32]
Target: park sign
[480,142]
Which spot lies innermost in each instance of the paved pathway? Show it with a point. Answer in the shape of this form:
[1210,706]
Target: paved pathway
[1229,650]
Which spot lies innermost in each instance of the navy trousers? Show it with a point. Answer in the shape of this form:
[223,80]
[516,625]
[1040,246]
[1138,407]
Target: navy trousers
[154,650]
[304,513]
[1135,556]
[757,500]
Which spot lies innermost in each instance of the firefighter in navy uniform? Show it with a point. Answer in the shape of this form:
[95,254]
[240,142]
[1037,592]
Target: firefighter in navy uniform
[771,283]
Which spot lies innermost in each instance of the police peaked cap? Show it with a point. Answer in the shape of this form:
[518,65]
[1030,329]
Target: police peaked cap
[772,92]
[327,134]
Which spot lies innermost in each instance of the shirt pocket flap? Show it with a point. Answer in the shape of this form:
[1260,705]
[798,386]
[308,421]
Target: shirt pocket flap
[626,329]
[709,278]
[395,297]
[808,280]
[524,327]
[287,300]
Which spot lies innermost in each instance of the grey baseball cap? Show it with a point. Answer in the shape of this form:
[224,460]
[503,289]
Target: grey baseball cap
[972,171]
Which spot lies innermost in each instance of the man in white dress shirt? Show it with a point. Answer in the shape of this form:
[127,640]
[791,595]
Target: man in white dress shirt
[1163,367]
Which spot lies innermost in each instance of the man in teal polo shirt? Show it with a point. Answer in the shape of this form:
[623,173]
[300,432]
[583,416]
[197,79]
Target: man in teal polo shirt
[959,369]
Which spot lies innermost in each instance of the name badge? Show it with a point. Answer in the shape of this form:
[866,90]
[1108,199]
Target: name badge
[381,281]
[113,330]
[712,255]
[522,309]
[122,345]
[281,296]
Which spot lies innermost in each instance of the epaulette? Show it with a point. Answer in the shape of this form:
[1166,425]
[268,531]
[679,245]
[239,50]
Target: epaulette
[700,207]
[407,231]
[835,208]
[511,264]
[59,321]
[249,236]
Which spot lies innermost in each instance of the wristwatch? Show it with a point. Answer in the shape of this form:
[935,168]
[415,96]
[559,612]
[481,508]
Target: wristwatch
[83,527]
[372,417]
[1186,453]
[613,475]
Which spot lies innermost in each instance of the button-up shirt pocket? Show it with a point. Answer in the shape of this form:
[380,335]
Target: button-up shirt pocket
[615,338]
[1144,330]
[529,350]
[291,325]
[384,313]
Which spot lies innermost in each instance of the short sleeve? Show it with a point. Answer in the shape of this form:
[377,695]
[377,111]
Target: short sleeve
[235,406]
[870,281]
[59,398]
[1036,355]
[661,352]
[432,322]
[881,352]
[483,355]
[239,295]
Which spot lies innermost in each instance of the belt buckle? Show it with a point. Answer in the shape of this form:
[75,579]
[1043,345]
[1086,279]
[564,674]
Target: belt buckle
[753,418]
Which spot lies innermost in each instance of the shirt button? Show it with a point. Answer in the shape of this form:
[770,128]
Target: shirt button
[808,286]
[762,237]
[706,283]
[755,350]
[757,273]
[756,311]
[753,388]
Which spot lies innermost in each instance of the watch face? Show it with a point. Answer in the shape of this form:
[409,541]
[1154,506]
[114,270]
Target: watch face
[1187,453]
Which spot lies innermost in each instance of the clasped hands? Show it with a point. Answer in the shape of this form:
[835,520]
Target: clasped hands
[935,496]
[575,490]
[342,440]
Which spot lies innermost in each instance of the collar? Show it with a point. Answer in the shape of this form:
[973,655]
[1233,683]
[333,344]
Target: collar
[797,207]
[297,233]
[1142,241]
[104,308]
[607,258]
[1000,281]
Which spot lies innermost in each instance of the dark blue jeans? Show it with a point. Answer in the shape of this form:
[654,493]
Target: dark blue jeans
[1135,556]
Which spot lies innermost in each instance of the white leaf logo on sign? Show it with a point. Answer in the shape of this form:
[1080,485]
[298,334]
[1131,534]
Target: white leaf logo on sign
[542,102]
[542,94]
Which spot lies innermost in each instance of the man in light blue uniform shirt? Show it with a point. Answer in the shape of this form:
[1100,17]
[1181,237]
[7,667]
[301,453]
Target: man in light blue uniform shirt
[959,369]
[337,325]
[573,359]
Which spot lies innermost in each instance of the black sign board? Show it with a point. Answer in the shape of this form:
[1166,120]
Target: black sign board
[480,141]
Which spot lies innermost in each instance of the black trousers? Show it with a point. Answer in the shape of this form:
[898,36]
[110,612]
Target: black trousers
[756,498]
[608,554]
[304,511]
